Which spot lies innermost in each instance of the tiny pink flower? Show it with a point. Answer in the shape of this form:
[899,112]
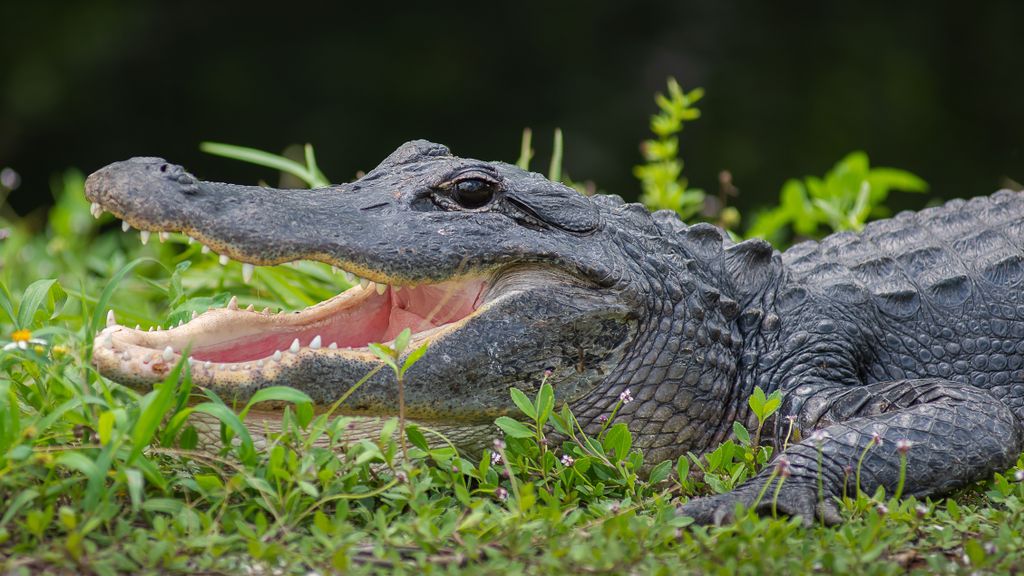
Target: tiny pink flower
[876,439]
[782,467]
[499,444]
[602,418]
[626,397]
[903,446]
[567,460]
[500,493]
[882,509]
[921,510]
[495,458]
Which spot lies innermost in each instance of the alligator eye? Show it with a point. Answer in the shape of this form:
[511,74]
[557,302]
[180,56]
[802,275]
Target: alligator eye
[473,192]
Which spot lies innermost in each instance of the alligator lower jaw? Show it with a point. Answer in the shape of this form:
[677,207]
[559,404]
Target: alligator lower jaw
[231,345]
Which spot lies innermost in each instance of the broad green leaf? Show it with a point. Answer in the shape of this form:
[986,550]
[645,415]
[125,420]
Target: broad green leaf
[660,472]
[619,439]
[416,438]
[386,354]
[276,394]
[545,403]
[514,428]
[741,433]
[413,356]
[523,402]
[402,340]
[33,298]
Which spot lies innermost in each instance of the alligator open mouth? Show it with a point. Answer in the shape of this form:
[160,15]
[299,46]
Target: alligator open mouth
[243,339]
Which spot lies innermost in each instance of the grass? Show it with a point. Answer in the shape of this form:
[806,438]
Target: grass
[97,478]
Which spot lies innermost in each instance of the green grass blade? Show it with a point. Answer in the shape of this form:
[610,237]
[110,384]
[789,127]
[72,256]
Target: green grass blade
[260,158]
[99,313]
[154,406]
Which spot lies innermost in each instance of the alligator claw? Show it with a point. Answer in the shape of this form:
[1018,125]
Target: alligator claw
[795,499]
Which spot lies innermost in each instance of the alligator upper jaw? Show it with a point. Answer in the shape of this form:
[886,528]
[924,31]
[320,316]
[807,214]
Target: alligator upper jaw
[242,345]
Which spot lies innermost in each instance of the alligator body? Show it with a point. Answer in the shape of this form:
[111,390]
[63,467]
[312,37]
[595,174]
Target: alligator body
[912,330]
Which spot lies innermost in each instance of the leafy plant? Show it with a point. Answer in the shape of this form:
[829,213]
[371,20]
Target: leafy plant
[849,195]
[661,179]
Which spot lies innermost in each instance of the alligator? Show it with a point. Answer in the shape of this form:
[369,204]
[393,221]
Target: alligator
[903,340]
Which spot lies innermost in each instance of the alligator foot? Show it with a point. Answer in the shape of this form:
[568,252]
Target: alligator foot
[795,498]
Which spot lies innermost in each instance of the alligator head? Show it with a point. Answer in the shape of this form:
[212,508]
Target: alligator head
[508,277]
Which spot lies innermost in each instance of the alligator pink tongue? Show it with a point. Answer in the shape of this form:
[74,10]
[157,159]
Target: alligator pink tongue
[378,318]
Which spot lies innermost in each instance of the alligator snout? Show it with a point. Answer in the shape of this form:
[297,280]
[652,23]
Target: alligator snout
[143,185]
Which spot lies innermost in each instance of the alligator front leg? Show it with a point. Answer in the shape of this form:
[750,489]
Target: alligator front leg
[957,435]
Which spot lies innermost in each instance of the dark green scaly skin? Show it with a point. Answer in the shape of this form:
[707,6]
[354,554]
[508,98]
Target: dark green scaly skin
[911,330]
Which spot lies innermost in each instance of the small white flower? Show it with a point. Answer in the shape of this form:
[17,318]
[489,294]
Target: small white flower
[567,460]
[501,493]
[22,339]
[1019,475]
[903,445]
[626,397]
[495,458]
[876,439]
[819,437]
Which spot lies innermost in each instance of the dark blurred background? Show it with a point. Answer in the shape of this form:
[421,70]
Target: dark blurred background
[935,88]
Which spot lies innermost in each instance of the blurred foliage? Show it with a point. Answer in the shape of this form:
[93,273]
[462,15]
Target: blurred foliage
[849,195]
[663,185]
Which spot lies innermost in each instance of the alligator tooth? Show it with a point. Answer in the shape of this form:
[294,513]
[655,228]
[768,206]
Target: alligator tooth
[247,270]
[95,209]
[181,323]
[266,310]
[277,356]
[150,328]
[334,269]
[381,288]
[315,343]
[163,236]
[333,346]
[349,277]
[125,226]
[144,236]
[168,354]
[259,363]
[396,288]
[223,259]
[363,283]
[137,327]
[205,249]
[110,318]
[294,348]
[207,365]
[250,308]
[195,314]
[191,240]
[233,303]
